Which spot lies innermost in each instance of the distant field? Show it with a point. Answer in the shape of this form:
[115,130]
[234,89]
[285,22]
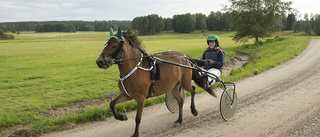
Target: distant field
[41,70]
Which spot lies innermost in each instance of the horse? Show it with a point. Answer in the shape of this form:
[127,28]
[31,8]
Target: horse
[134,83]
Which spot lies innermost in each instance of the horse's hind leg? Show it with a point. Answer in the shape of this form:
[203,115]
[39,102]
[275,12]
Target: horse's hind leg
[193,108]
[186,85]
[121,98]
[176,95]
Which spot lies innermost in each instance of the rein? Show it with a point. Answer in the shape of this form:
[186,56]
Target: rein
[120,49]
[143,54]
[154,56]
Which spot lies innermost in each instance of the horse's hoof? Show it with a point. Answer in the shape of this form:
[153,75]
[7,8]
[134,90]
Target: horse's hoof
[176,124]
[122,117]
[194,112]
[135,135]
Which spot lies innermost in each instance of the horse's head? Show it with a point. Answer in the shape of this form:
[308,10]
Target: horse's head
[112,50]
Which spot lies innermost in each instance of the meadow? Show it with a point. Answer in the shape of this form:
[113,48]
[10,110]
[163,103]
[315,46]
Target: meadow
[44,70]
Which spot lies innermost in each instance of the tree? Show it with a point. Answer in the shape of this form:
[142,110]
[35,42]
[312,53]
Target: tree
[167,24]
[140,25]
[284,22]
[217,21]
[256,18]
[148,25]
[211,21]
[69,28]
[308,28]
[312,20]
[183,23]
[38,28]
[316,28]
[155,25]
[290,19]
[89,28]
[4,36]
[1,34]
[306,17]
[200,21]
[296,26]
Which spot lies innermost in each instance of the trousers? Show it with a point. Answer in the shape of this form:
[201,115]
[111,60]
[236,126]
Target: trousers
[213,71]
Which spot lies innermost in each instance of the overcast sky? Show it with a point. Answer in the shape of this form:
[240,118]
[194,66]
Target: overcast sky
[90,10]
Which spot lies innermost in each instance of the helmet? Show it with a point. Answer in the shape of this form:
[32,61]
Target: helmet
[213,38]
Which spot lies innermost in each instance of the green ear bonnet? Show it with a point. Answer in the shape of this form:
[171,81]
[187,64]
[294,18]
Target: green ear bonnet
[118,36]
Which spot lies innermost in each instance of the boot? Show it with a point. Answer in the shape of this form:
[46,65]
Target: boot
[206,83]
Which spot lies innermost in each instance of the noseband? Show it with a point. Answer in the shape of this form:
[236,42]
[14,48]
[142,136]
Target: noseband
[113,60]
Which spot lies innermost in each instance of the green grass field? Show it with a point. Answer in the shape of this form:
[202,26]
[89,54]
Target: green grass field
[41,70]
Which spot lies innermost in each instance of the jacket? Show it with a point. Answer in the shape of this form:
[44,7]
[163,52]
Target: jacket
[216,54]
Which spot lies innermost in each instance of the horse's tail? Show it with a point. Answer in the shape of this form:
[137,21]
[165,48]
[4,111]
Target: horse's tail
[200,82]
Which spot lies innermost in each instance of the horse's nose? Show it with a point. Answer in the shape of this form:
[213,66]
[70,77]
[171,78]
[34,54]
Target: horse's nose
[99,63]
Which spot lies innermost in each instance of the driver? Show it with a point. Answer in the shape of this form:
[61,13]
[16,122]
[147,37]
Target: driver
[212,60]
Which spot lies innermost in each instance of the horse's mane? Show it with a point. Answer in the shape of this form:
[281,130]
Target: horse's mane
[133,38]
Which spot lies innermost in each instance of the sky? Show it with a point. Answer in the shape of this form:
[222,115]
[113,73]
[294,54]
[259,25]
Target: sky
[91,10]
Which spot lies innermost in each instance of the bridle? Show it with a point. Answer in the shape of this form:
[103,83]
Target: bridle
[113,60]
[119,50]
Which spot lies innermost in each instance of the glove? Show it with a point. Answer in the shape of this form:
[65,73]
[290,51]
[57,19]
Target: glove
[209,61]
[200,63]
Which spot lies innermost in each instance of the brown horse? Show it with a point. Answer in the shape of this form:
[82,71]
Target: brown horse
[135,81]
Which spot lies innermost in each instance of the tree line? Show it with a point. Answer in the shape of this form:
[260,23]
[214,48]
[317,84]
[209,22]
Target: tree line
[145,25]
[186,23]
[181,23]
[307,25]
[59,27]
[218,21]
[64,26]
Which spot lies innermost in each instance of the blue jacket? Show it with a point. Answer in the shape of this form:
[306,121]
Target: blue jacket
[216,54]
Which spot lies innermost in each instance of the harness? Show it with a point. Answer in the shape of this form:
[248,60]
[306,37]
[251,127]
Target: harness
[131,72]
[152,63]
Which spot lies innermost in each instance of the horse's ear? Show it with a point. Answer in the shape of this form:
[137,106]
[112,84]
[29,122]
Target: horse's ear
[111,32]
[119,34]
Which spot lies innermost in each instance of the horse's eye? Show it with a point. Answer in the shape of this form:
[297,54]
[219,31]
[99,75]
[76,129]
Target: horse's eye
[114,46]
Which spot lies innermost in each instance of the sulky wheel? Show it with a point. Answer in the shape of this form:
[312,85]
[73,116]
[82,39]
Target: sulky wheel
[171,102]
[228,104]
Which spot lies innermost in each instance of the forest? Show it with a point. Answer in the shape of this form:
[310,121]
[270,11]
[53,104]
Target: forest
[64,26]
[155,24]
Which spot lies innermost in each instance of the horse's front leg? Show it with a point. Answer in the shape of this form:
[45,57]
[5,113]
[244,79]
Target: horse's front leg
[140,105]
[121,98]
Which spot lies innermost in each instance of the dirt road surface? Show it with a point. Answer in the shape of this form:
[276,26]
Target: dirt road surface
[284,101]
